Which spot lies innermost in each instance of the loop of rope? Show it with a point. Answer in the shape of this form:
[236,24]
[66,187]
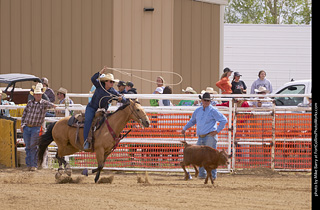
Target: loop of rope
[122,71]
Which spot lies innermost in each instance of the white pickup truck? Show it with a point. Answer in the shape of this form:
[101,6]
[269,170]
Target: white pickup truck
[294,87]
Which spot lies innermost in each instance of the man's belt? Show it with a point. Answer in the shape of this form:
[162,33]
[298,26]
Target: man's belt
[204,135]
[31,126]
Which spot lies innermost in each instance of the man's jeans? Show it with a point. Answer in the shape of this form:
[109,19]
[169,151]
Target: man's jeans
[89,115]
[210,141]
[31,139]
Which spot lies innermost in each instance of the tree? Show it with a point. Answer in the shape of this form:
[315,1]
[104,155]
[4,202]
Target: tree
[268,11]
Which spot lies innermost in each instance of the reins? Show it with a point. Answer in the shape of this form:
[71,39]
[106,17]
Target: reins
[116,138]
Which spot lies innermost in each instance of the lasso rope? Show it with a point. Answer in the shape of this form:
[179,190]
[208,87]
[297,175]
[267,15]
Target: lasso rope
[122,71]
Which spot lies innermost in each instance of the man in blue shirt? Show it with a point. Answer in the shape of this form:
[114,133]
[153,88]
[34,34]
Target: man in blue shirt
[101,98]
[206,118]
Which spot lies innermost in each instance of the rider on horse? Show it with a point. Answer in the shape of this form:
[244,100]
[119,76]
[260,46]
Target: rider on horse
[101,98]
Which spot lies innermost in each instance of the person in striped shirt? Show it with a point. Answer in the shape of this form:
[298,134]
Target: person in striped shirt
[31,121]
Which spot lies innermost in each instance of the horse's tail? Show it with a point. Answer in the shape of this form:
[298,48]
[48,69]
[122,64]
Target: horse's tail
[184,143]
[44,142]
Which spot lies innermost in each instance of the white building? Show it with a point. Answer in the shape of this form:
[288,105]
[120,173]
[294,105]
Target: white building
[283,51]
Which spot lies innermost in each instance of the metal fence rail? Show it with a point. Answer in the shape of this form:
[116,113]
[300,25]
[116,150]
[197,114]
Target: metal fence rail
[274,137]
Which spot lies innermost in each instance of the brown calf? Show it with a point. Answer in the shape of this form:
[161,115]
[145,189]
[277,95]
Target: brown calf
[203,156]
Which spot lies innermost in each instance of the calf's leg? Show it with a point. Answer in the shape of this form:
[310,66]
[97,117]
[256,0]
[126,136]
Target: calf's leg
[209,175]
[196,170]
[183,166]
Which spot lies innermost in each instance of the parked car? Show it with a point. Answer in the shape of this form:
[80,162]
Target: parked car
[17,95]
[293,87]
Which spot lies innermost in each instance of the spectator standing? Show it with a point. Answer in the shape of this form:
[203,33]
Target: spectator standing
[166,102]
[31,121]
[224,83]
[61,94]
[206,118]
[49,92]
[261,82]
[160,83]
[158,90]
[238,86]
[122,90]
[43,89]
[122,87]
[130,89]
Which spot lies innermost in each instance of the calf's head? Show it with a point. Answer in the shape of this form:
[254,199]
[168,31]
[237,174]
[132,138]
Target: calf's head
[223,158]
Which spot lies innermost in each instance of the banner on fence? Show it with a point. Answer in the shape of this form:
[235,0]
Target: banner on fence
[8,148]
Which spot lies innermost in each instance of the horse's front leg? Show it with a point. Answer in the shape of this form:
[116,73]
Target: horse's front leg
[101,158]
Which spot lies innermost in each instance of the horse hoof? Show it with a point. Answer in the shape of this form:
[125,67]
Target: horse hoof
[58,175]
[85,172]
[68,171]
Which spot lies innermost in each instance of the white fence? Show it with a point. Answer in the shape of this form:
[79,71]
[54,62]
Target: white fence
[228,139]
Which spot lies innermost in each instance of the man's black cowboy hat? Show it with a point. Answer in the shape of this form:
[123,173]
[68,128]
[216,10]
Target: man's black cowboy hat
[205,96]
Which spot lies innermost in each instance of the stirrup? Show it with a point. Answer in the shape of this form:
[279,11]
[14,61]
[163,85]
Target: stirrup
[86,145]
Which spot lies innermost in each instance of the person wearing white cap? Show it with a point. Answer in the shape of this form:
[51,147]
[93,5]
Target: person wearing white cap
[31,121]
[102,97]
[263,91]
[44,95]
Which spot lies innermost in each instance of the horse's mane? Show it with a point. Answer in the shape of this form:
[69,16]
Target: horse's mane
[119,109]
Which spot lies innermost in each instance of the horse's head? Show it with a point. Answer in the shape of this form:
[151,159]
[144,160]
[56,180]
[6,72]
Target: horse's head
[138,114]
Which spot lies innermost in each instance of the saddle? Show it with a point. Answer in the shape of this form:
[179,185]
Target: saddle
[77,121]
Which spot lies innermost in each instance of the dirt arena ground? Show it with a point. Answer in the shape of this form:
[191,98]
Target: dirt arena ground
[254,189]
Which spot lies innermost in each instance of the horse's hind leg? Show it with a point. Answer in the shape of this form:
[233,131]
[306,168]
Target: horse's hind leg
[67,150]
[61,161]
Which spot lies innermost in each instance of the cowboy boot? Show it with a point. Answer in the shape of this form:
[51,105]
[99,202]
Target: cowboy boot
[87,144]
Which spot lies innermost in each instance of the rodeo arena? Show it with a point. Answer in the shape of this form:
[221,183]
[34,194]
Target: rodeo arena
[152,143]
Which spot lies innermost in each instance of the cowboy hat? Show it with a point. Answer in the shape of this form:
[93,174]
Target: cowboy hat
[37,91]
[62,90]
[205,96]
[107,77]
[39,87]
[209,90]
[3,95]
[261,89]
[189,90]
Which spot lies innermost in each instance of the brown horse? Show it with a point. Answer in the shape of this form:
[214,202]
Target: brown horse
[65,136]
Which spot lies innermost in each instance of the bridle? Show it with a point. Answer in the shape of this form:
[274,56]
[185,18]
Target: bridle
[134,112]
